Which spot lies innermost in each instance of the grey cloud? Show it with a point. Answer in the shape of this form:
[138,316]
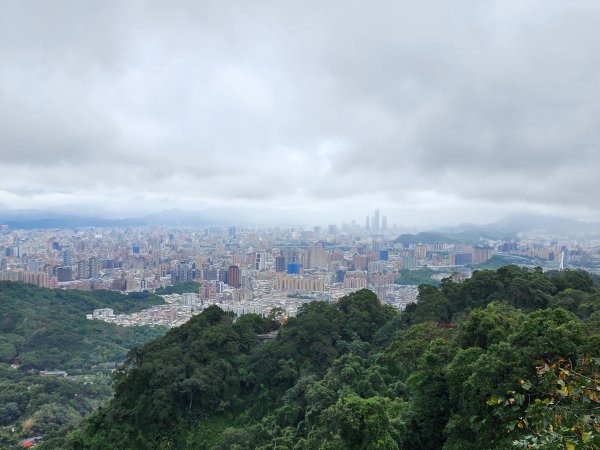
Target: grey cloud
[318,103]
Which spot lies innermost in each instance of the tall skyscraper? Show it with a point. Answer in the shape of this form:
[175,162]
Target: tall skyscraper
[367,225]
[384,223]
[93,267]
[280,265]
[317,256]
[293,255]
[481,254]
[67,257]
[376,221]
[260,262]
[233,277]
[83,272]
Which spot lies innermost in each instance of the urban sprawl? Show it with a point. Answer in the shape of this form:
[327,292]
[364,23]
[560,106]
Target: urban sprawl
[252,270]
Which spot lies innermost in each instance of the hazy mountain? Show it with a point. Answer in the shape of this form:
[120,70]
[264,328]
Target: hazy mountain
[423,238]
[505,229]
[211,216]
[39,219]
[49,220]
[554,225]
[173,217]
[508,227]
[7,214]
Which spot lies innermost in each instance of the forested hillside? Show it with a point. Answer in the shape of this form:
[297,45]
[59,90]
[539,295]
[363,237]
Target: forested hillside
[506,359]
[47,329]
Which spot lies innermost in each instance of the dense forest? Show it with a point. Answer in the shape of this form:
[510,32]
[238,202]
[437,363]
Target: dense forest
[506,359]
[179,288]
[417,277]
[46,329]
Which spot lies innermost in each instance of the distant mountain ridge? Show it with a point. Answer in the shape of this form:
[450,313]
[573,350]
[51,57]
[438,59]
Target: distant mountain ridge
[70,222]
[508,227]
[504,229]
[423,238]
[40,219]
[37,219]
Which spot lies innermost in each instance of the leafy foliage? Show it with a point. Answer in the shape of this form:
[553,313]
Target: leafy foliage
[47,329]
[358,375]
[179,288]
[558,408]
[417,276]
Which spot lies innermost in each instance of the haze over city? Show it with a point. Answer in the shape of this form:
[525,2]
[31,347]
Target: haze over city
[436,112]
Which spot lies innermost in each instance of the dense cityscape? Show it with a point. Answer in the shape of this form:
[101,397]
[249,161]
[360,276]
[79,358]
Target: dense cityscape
[247,269]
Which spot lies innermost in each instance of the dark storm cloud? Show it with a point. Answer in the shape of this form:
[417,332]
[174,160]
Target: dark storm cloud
[336,105]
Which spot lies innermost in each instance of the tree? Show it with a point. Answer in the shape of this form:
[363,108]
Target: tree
[491,325]
[431,305]
[549,333]
[360,423]
[430,404]
[558,408]
[403,353]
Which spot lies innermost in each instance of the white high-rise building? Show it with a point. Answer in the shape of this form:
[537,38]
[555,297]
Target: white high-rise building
[376,221]
[260,261]
[317,256]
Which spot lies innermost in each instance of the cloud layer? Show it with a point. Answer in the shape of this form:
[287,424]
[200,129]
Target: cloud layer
[433,111]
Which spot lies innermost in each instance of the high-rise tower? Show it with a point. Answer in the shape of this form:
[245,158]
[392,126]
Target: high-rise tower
[233,277]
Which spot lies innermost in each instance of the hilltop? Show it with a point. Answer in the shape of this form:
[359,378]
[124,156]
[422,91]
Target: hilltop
[45,329]
[358,374]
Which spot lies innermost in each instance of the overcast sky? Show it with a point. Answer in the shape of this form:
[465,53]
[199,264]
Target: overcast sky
[433,111]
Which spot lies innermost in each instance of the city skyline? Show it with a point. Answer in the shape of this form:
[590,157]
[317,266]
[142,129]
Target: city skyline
[435,113]
[263,269]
